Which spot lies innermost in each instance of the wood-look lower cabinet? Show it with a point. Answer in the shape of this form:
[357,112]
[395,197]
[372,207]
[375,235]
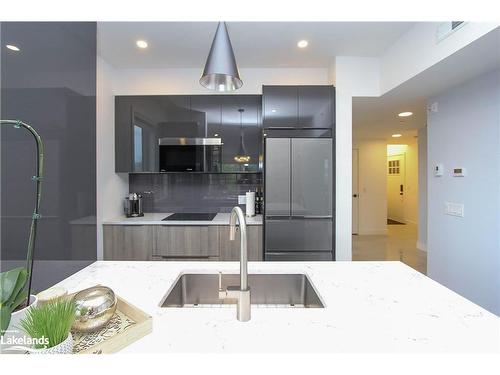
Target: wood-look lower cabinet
[178,242]
[195,241]
[230,250]
[128,242]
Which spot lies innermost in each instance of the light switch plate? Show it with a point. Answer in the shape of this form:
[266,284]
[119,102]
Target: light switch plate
[454,209]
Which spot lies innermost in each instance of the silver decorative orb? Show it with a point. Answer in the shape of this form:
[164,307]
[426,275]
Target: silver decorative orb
[94,308]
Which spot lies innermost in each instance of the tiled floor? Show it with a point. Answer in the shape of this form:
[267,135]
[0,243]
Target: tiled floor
[399,244]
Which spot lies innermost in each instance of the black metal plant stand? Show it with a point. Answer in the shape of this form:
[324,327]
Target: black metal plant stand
[38,180]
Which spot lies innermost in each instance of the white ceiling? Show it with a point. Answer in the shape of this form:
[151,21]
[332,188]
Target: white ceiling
[376,118]
[256,44]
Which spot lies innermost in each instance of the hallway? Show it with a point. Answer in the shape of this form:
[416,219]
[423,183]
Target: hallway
[399,244]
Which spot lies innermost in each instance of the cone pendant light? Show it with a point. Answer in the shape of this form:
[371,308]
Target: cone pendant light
[221,72]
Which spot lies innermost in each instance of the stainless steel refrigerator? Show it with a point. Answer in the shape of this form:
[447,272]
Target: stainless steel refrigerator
[298,222]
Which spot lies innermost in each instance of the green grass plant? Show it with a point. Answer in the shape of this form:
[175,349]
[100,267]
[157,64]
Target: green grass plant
[52,320]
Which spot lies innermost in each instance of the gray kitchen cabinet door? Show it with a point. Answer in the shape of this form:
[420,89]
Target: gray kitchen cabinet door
[315,106]
[230,250]
[280,107]
[127,242]
[293,235]
[186,241]
[312,177]
[277,177]
[206,112]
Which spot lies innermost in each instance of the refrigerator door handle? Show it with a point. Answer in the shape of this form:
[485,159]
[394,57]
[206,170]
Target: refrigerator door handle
[301,217]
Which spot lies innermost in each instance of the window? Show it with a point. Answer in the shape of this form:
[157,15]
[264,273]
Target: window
[393,167]
[137,148]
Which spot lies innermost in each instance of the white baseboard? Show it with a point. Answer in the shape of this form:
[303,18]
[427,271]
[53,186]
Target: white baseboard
[421,246]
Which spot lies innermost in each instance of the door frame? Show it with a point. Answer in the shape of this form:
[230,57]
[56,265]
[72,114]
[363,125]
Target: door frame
[355,212]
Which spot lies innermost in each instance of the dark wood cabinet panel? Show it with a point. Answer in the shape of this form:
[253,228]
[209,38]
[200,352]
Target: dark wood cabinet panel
[186,241]
[127,242]
[230,250]
[178,242]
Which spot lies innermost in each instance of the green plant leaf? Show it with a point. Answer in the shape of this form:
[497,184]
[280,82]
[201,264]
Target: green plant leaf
[18,290]
[5,314]
[11,282]
[21,297]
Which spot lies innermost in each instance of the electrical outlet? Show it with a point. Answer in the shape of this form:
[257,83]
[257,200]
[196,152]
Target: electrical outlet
[454,209]
[242,199]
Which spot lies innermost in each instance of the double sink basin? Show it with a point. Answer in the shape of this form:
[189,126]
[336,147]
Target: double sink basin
[278,290]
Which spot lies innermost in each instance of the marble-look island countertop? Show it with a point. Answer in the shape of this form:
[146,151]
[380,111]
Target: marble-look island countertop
[155,218]
[370,307]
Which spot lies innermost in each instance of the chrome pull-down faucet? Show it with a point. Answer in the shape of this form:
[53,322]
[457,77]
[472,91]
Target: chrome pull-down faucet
[241,293]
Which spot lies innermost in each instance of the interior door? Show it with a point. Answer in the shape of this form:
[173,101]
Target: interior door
[355,192]
[396,187]
[312,177]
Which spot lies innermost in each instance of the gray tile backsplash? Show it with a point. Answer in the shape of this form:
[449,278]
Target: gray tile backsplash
[192,192]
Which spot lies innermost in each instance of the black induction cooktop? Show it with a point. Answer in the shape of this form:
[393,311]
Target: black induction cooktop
[191,216]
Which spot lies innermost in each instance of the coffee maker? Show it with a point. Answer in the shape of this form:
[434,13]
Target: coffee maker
[133,205]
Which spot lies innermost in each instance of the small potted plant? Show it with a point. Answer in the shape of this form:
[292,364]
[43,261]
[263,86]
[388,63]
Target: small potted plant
[13,304]
[49,326]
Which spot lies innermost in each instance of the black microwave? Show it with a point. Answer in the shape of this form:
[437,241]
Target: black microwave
[190,154]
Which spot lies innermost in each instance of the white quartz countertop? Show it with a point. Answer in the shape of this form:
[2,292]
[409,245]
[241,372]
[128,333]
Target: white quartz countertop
[156,219]
[370,307]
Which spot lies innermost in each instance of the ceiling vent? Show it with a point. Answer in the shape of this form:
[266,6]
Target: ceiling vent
[445,29]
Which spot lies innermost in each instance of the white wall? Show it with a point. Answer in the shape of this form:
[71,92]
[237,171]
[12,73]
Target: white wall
[111,187]
[417,49]
[422,189]
[464,253]
[353,76]
[372,183]
[186,81]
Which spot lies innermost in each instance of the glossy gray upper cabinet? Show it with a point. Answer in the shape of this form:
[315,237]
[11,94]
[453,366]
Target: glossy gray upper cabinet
[206,111]
[141,121]
[236,124]
[280,106]
[316,106]
[298,106]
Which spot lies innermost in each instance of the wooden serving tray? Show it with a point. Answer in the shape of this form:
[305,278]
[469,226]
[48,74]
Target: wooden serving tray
[127,325]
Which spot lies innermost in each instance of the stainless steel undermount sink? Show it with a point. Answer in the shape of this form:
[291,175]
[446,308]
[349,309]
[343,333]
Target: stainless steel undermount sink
[280,290]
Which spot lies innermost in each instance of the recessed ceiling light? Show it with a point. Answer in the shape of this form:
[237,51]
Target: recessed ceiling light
[12,47]
[273,110]
[142,44]
[396,135]
[302,43]
[405,114]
